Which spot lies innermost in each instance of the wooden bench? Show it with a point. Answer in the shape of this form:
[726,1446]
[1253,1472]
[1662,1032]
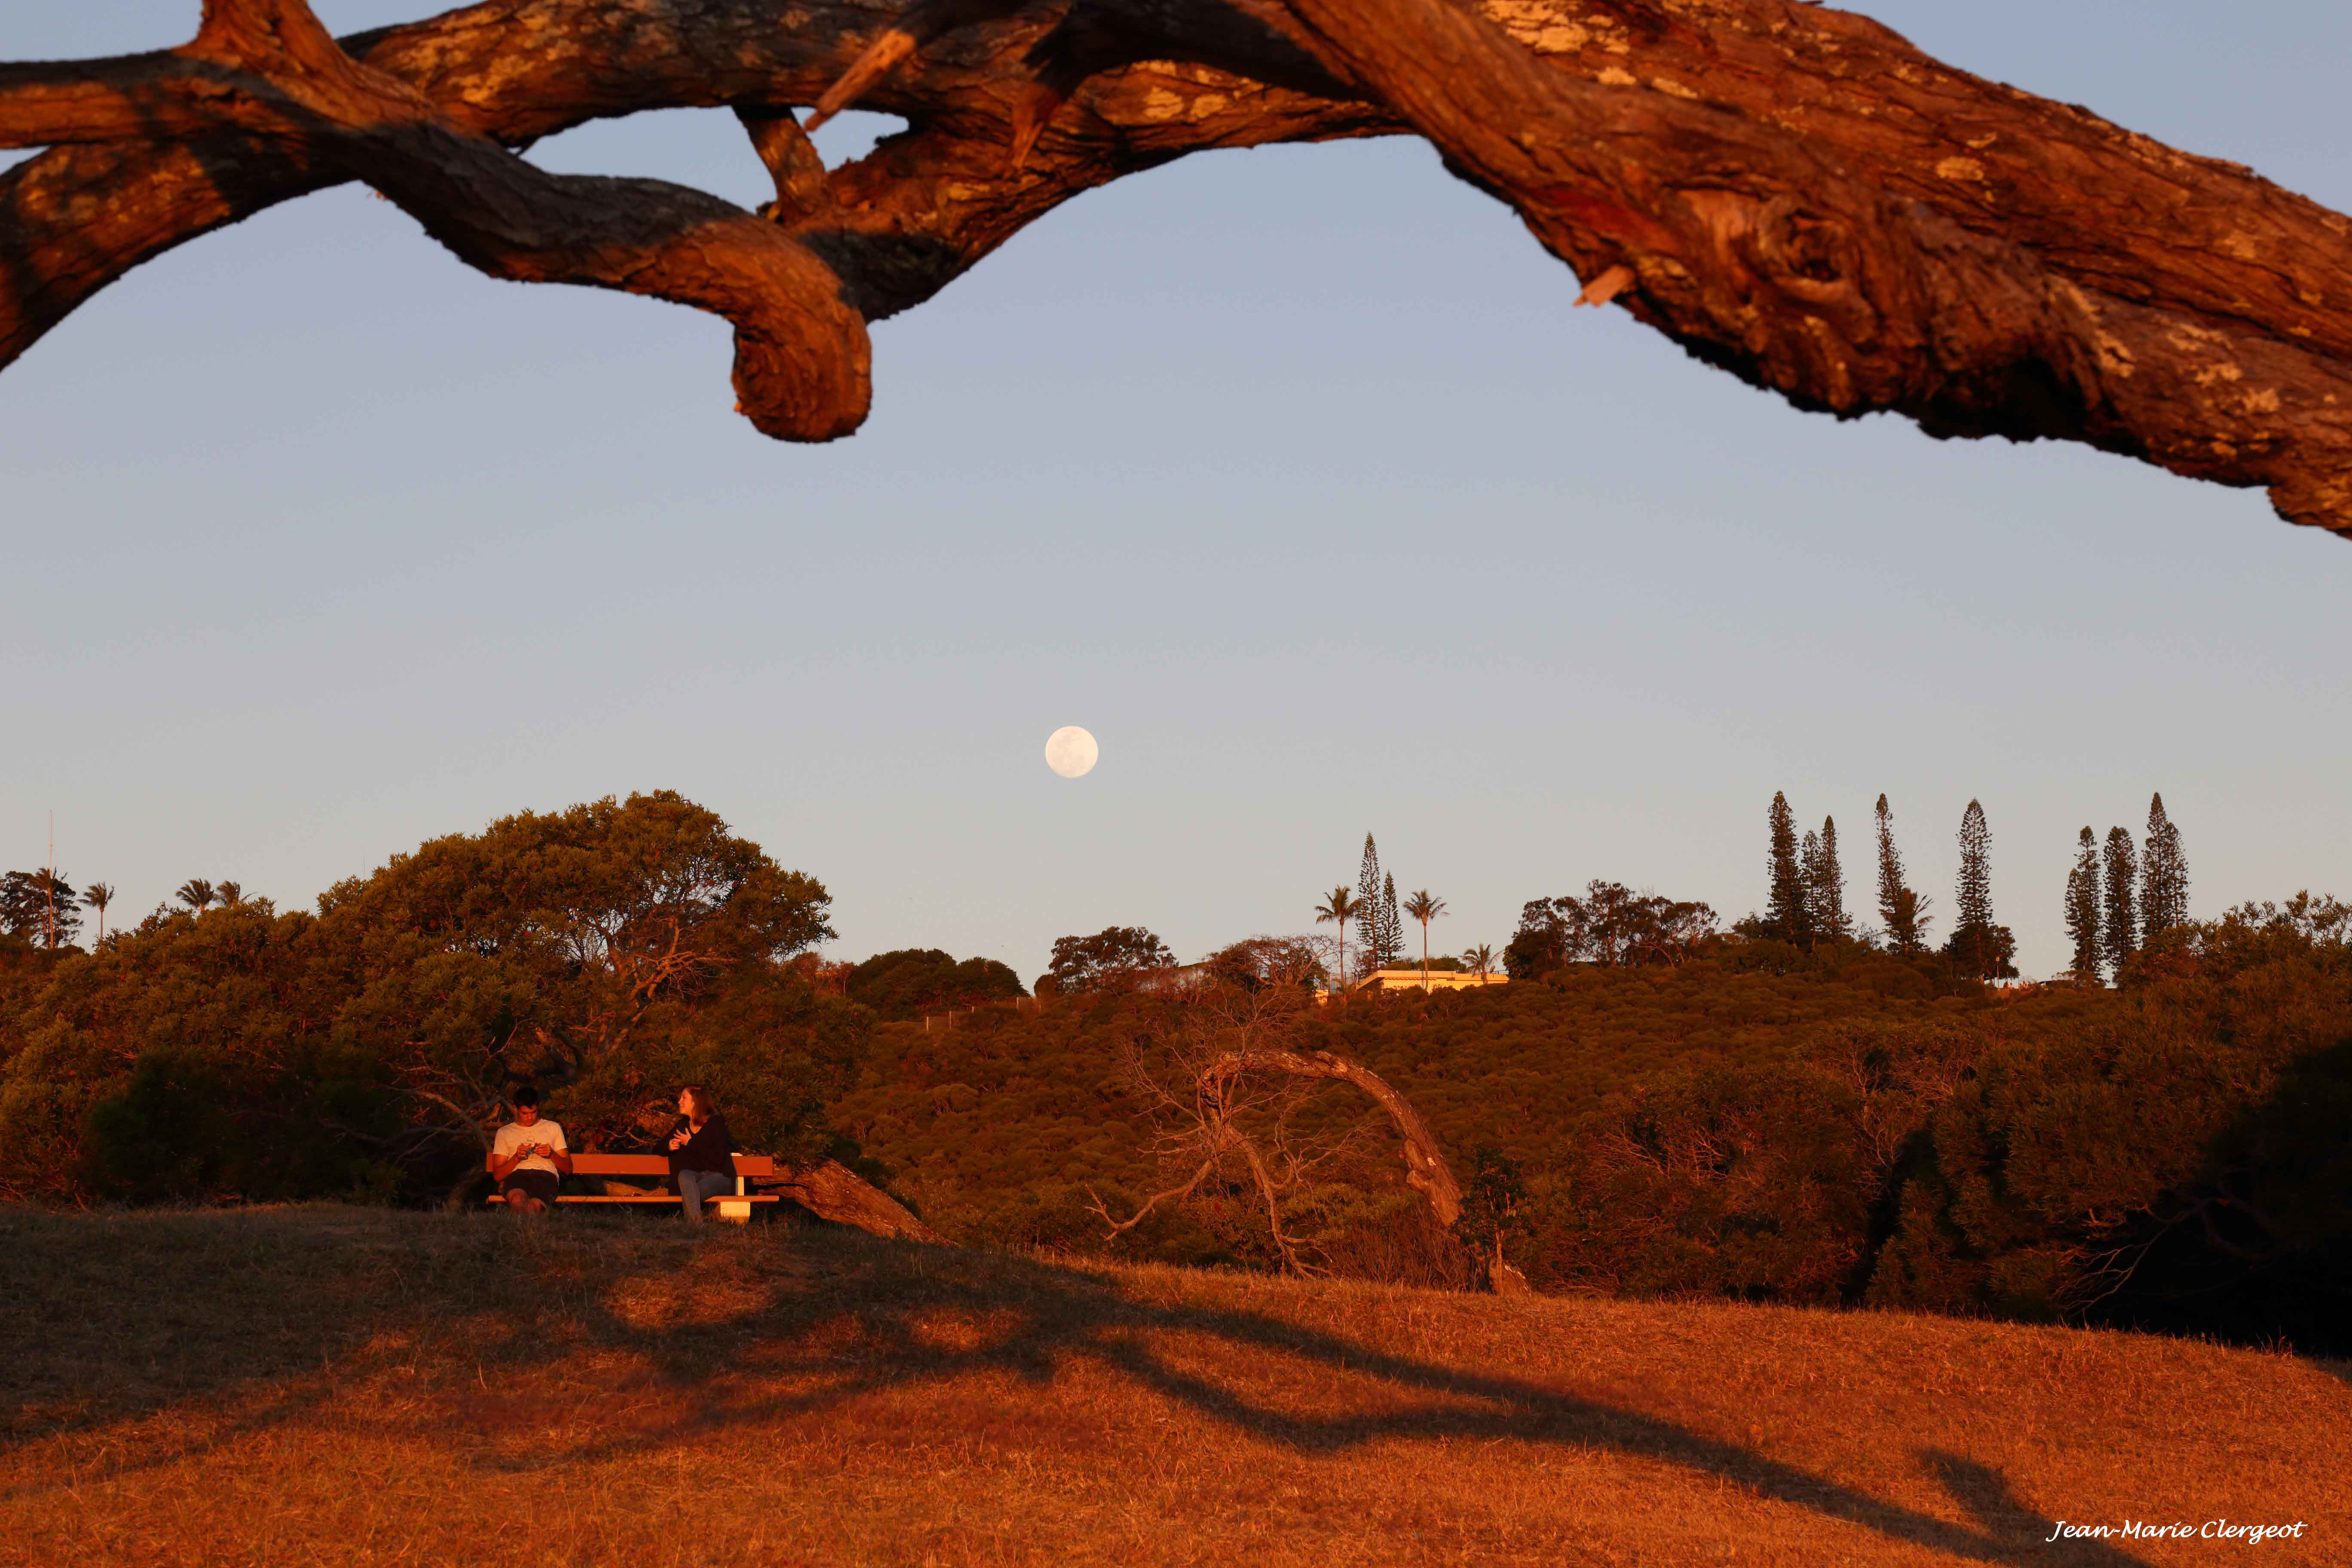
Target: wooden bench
[632,1168]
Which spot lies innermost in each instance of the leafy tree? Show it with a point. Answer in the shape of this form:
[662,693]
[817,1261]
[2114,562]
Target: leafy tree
[1258,962]
[1611,925]
[911,981]
[39,907]
[1425,908]
[1113,959]
[2120,910]
[2164,875]
[1338,911]
[1901,911]
[1825,885]
[607,953]
[2082,909]
[98,895]
[1785,912]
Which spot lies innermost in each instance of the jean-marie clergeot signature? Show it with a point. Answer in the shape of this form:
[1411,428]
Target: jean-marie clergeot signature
[2211,1530]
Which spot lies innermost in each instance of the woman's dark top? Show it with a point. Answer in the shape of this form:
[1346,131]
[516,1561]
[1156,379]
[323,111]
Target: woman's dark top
[711,1149]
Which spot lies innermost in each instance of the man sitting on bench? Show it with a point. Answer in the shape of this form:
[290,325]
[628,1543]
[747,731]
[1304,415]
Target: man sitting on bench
[529,1157]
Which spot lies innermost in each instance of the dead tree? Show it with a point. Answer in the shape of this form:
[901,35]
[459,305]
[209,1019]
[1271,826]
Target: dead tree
[1792,194]
[1224,1080]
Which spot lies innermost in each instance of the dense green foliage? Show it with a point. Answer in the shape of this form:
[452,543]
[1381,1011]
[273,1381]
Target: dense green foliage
[914,981]
[1113,959]
[1839,1126]
[607,953]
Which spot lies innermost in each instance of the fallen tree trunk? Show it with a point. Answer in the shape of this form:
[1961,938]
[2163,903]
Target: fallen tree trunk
[832,1191]
[1790,193]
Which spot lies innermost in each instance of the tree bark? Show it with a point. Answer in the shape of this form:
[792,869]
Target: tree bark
[1790,193]
[832,1191]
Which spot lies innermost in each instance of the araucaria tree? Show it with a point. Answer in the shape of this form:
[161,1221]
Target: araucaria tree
[1982,947]
[1392,925]
[1791,193]
[1901,911]
[1825,885]
[1367,906]
[2119,909]
[1786,914]
[2082,909]
[2164,875]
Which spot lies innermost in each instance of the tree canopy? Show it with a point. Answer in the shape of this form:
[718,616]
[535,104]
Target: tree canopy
[606,953]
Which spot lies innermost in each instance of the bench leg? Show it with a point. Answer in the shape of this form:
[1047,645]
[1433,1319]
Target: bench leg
[734,1209]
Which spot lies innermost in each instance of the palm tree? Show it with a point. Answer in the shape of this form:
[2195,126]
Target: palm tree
[1339,910]
[1425,909]
[98,895]
[1481,959]
[197,894]
[231,894]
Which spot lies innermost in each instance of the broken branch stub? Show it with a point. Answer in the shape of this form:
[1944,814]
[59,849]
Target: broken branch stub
[1793,194]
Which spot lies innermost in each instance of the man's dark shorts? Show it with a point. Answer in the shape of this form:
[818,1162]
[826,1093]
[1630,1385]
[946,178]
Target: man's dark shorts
[539,1184]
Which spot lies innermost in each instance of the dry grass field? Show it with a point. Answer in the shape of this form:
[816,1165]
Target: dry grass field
[348,1386]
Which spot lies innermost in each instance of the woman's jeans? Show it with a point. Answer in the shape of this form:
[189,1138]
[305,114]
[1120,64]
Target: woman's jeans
[693,1186]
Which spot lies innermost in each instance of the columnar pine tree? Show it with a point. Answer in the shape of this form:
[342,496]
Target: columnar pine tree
[1785,915]
[1809,873]
[1974,895]
[2120,910]
[1982,947]
[2083,909]
[1828,887]
[1368,903]
[2164,875]
[1391,924]
[1900,909]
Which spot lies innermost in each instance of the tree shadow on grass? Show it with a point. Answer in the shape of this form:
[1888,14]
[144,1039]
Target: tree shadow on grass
[815,1322]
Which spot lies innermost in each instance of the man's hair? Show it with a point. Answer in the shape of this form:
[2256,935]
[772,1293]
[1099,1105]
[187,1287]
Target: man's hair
[525,1096]
[706,1104]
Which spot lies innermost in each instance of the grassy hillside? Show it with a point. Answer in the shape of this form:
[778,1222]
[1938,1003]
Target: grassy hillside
[354,1385]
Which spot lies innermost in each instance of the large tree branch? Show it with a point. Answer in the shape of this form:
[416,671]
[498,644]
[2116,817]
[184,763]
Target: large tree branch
[1793,194]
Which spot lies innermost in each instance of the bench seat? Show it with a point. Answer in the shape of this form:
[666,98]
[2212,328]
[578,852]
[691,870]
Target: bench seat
[735,1206]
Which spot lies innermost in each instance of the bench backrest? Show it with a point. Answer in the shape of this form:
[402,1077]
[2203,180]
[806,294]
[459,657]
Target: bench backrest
[658,1164]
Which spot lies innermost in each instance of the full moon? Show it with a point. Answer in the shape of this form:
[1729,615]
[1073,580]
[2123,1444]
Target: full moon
[1071,751]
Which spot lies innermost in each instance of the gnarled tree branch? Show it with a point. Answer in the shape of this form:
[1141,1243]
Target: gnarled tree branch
[1793,194]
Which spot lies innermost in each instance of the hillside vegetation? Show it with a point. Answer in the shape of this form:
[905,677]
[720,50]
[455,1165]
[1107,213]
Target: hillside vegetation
[1844,1127]
[365,1387]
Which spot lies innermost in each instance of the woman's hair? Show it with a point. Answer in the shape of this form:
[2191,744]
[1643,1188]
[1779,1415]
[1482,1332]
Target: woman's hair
[706,1104]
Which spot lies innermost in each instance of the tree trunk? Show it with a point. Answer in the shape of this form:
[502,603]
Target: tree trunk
[1792,194]
[832,1191]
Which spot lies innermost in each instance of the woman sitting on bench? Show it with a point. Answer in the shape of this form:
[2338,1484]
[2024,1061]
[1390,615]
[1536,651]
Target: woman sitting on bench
[701,1152]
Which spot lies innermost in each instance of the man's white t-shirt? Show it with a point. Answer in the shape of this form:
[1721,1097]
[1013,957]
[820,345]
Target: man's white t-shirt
[514,1135]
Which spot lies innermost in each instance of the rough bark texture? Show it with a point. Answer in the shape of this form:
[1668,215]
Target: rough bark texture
[832,1191]
[1790,193]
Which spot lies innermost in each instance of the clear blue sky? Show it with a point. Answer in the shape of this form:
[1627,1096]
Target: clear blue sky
[1289,473]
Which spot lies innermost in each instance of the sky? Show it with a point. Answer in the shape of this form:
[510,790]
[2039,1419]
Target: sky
[1289,473]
